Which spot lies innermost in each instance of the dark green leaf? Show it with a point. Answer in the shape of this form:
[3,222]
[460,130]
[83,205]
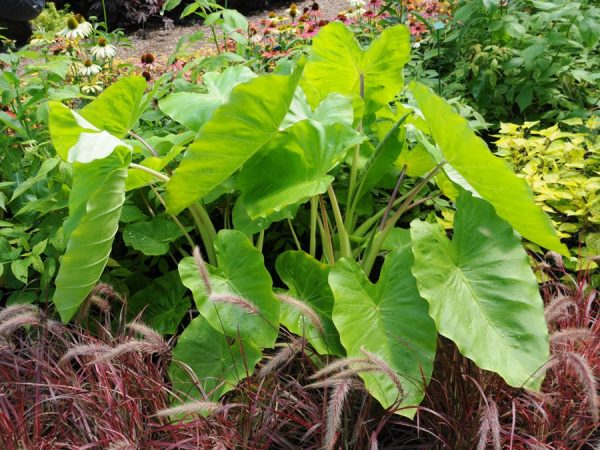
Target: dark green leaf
[307,280]
[163,303]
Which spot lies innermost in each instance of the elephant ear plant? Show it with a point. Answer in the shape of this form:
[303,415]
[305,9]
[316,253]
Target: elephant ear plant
[323,139]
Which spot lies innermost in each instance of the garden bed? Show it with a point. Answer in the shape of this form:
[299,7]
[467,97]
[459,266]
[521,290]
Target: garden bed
[288,233]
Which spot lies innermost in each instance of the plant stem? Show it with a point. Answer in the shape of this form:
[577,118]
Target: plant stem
[206,230]
[354,199]
[152,172]
[326,235]
[144,143]
[354,167]
[294,235]
[215,40]
[367,224]
[353,177]
[261,240]
[380,237]
[105,16]
[393,197]
[345,248]
[201,218]
[313,227]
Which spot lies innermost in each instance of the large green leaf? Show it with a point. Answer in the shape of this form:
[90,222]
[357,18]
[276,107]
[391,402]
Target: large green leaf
[241,273]
[152,237]
[294,166]
[242,221]
[163,303]
[193,110]
[77,140]
[390,320]
[65,127]
[336,108]
[95,204]
[236,130]
[490,176]
[96,131]
[118,108]
[482,292]
[307,280]
[218,364]
[337,62]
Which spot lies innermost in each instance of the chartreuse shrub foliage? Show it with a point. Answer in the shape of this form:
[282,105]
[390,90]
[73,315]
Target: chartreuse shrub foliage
[563,169]
[324,136]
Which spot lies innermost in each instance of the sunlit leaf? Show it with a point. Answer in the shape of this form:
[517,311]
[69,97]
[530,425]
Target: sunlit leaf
[118,108]
[337,62]
[237,130]
[482,292]
[308,151]
[489,175]
[95,204]
[240,273]
[193,110]
[390,320]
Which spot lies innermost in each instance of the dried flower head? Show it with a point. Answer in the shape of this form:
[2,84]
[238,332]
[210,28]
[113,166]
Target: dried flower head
[198,407]
[304,309]
[335,408]
[235,300]
[147,58]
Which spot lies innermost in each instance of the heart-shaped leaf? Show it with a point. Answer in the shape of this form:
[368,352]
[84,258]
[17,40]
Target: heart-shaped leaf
[390,320]
[95,204]
[308,151]
[163,303]
[336,108]
[118,108]
[152,237]
[236,130]
[241,274]
[217,363]
[482,292]
[337,63]
[193,110]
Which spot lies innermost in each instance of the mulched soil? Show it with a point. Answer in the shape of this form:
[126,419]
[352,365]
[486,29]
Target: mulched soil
[162,42]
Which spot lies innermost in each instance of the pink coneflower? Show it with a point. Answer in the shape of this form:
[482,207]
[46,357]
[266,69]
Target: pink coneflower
[309,31]
[417,29]
[369,14]
[315,10]
[343,18]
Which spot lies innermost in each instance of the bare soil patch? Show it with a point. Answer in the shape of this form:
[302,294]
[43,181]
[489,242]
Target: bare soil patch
[162,42]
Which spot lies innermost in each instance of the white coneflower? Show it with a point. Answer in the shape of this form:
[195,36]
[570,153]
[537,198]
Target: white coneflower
[357,4]
[84,24]
[88,68]
[292,11]
[355,13]
[92,88]
[76,30]
[103,50]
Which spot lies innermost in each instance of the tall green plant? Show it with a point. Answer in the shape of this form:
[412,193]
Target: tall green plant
[359,285]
